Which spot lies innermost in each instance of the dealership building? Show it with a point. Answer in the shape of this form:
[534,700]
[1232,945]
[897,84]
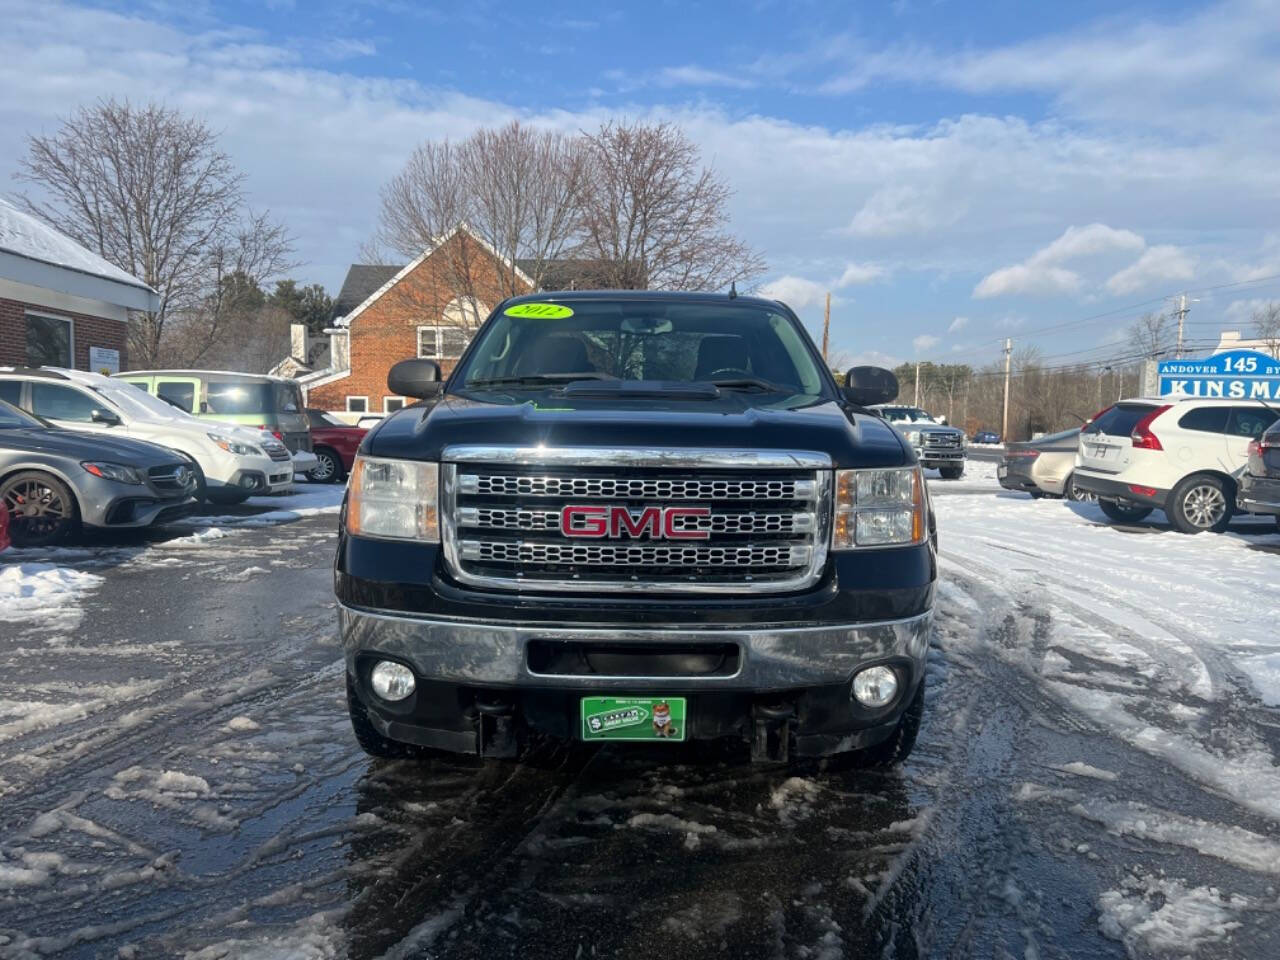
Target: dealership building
[62,305]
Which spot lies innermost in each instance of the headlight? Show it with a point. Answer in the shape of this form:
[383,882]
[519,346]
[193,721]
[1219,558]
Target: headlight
[235,446]
[879,508]
[396,499]
[112,471]
[913,437]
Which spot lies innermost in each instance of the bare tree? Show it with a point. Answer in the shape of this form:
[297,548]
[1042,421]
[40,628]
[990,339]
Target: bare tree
[1266,327]
[1152,335]
[655,217]
[148,190]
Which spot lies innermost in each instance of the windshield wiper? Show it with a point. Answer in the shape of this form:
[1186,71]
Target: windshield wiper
[746,383]
[535,379]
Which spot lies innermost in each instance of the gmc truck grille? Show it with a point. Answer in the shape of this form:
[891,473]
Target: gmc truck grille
[761,526]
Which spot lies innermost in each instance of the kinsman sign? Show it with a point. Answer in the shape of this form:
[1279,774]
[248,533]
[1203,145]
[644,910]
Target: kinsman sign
[1235,375]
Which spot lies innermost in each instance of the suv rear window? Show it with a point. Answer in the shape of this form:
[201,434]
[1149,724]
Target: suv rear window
[1207,419]
[253,397]
[1119,421]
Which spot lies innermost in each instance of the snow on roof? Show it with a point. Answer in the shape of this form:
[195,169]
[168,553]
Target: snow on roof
[24,236]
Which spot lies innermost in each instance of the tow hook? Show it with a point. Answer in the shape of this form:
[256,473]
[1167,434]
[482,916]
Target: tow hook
[495,729]
[771,736]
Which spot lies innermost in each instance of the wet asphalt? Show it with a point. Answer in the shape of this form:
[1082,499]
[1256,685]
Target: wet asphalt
[207,800]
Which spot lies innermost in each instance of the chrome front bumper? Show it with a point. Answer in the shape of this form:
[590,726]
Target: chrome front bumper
[774,659]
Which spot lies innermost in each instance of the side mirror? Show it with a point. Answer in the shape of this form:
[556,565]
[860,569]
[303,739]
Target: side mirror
[99,415]
[415,378]
[866,386]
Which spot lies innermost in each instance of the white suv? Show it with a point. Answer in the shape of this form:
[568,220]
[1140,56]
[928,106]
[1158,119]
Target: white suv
[1180,455]
[234,462]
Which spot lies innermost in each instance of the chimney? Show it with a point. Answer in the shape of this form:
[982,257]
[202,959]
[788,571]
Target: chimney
[339,357]
[298,342]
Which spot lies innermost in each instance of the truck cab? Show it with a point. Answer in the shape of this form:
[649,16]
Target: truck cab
[637,516]
[938,446]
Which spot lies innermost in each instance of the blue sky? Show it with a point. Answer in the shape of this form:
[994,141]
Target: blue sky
[953,172]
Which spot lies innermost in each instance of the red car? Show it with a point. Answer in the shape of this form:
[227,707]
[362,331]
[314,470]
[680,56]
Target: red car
[334,444]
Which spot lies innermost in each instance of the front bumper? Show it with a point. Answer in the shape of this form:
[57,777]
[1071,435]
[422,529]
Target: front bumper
[468,670]
[1259,495]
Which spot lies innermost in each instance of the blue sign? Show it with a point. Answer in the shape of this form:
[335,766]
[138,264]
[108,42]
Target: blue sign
[1235,375]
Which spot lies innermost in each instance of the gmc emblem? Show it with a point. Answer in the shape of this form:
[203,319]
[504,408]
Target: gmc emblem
[656,523]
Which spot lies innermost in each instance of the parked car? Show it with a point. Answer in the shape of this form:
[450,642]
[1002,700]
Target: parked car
[334,443]
[1179,455]
[986,437]
[232,463]
[53,481]
[1043,467]
[637,516]
[4,530]
[937,445]
[1260,482]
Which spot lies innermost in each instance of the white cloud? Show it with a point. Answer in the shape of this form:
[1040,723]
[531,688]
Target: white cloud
[694,76]
[1027,279]
[958,324]
[1159,264]
[859,273]
[924,341]
[905,209]
[1041,274]
[796,292]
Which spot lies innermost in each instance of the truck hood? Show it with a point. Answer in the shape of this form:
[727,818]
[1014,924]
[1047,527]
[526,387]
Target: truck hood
[734,421]
[86,446]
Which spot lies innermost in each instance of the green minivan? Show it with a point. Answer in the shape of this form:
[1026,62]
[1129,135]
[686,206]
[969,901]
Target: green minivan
[249,399]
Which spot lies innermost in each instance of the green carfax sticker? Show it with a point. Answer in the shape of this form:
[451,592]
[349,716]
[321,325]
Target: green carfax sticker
[633,718]
[539,311]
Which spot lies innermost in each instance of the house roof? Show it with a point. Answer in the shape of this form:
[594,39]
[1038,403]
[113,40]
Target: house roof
[34,253]
[576,274]
[363,279]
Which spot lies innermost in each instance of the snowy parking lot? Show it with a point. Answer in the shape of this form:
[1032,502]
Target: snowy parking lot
[1096,776]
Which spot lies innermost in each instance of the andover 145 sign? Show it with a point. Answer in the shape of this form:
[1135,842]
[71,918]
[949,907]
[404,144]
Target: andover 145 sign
[1235,375]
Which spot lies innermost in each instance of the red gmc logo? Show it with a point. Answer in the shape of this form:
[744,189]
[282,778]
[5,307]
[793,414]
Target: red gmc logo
[656,523]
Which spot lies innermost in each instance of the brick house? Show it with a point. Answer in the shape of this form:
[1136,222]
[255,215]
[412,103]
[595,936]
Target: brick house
[427,308]
[61,304]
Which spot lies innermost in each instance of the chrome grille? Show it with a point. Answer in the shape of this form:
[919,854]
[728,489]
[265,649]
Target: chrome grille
[767,527]
[941,441]
[172,478]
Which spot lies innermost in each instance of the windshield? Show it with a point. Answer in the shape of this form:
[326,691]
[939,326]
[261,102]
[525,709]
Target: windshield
[136,402]
[734,345]
[11,418]
[907,415]
[260,397]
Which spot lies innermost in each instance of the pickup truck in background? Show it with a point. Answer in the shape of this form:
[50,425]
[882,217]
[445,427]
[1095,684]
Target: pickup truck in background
[637,516]
[938,446]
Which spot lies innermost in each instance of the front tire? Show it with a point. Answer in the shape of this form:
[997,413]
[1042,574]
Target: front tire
[951,473]
[1201,503]
[1118,513]
[371,741]
[42,510]
[902,741]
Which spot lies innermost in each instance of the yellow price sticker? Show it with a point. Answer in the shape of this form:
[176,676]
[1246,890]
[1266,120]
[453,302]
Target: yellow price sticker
[539,311]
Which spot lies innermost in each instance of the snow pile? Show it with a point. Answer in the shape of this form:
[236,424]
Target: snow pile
[1153,914]
[43,591]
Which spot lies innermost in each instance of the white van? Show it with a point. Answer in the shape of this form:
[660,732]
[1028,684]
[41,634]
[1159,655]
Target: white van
[234,463]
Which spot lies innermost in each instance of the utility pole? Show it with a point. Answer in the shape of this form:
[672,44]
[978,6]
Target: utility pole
[826,328]
[1182,312]
[917,403]
[1008,365]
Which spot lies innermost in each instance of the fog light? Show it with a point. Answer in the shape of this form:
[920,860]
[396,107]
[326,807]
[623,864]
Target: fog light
[248,482]
[875,686]
[391,681]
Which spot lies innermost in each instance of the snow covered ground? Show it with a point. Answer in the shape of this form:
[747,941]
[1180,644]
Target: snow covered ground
[1097,775]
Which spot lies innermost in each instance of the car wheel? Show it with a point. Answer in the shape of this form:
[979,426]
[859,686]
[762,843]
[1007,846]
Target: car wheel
[371,741]
[1201,503]
[42,511]
[902,741]
[1118,513]
[1076,494]
[951,473]
[328,469]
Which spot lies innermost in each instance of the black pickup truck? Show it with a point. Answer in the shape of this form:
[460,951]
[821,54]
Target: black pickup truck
[637,516]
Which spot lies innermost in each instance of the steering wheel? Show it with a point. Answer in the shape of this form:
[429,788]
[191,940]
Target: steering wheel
[726,373]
